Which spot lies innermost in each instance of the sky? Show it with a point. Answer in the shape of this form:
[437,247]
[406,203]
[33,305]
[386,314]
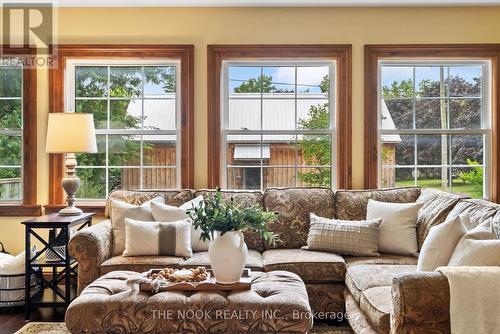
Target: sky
[283,77]
[310,77]
[394,73]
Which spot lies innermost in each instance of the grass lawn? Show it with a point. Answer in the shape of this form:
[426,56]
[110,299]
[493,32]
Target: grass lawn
[458,185]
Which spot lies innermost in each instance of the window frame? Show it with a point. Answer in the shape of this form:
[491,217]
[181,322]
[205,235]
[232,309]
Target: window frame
[331,130]
[70,105]
[183,54]
[28,205]
[447,53]
[291,53]
[484,131]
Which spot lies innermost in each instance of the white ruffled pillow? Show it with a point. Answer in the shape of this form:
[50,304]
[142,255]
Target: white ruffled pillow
[169,213]
[120,211]
[398,231]
[479,247]
[440,243]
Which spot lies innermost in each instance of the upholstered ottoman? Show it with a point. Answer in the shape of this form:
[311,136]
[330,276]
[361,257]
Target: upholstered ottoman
[277,303]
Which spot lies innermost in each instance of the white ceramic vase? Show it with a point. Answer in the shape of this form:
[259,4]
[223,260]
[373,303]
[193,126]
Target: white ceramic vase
[228,254]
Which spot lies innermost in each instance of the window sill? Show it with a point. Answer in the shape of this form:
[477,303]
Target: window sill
[98,208]
[12,210]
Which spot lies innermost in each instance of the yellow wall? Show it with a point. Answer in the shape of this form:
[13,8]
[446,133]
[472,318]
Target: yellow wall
[202,26]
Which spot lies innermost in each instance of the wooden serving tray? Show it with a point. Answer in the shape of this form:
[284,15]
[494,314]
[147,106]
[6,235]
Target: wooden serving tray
[209,284]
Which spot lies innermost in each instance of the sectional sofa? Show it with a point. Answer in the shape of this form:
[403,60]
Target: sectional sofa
[380,294]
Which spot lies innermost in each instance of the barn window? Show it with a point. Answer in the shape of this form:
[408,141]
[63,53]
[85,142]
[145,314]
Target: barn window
[137,119]
[434,125]
[277,124]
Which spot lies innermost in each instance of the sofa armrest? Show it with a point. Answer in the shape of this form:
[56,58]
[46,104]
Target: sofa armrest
[91,247]
[421,303]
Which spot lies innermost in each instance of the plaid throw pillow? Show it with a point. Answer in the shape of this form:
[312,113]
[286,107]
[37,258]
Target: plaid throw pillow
[359,238]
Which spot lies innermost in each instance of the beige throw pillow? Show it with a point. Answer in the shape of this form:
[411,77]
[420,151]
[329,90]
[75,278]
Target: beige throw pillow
[440,243]
[167,213]
[479,247]
[398,232]
[344,237]
[157,238]
[121,210]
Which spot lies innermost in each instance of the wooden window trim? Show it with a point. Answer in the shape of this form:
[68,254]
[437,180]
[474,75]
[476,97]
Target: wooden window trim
[340,53]
[29,206]
[184,53]
[374,53]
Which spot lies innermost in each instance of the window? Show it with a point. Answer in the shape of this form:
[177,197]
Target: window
[17,136]
[278,130]
[434,125]
[11,133]
[136,114]
[141,97]
[279,116]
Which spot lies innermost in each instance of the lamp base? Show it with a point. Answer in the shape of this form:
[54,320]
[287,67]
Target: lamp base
[70,183]
[70,211]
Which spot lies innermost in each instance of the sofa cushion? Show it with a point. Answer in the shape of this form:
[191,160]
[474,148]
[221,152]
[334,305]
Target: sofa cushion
[243,199]
[376,304]
[137,197]
[357,318]
[294,206]
[326,297]
[496,224]
[139,263]
[351,204]
[478,210]
[437,206]
[254,260]
[311,266]
[362,277]
[382,259]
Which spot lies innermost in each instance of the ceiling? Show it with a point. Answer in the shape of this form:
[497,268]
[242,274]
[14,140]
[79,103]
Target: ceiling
[269,3]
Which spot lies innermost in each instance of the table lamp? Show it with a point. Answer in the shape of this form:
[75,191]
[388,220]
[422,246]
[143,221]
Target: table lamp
[70,133]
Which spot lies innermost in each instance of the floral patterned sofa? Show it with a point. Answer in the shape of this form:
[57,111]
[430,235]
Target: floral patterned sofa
[380,294]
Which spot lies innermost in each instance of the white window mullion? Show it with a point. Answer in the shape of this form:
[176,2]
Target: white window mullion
[484,131]
[108,64]
[289,136]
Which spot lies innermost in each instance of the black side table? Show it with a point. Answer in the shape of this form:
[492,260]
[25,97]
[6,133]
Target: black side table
[54,292]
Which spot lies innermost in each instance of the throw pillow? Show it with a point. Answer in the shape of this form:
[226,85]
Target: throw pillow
[121,210]
[344,237]
[172,239]
[167,213]
[440,243]
[398,232]
[479,247]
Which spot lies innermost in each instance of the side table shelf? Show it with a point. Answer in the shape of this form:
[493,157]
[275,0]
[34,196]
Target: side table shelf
[55,276]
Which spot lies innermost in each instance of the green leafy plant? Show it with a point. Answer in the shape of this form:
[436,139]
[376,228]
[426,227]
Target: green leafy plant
[316,149]
[474,177]
[216,214]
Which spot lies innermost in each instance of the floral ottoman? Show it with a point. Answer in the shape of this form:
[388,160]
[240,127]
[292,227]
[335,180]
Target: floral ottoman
[277,303]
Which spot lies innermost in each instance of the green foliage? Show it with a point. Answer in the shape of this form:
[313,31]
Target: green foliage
[123,150]
[217,214]
[254,85]
[474,177]
[464,114]
[10,118]
[316,149]
[402,89]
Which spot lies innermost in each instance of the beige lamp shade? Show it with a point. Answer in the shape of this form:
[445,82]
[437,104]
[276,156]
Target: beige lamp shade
[70,133]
